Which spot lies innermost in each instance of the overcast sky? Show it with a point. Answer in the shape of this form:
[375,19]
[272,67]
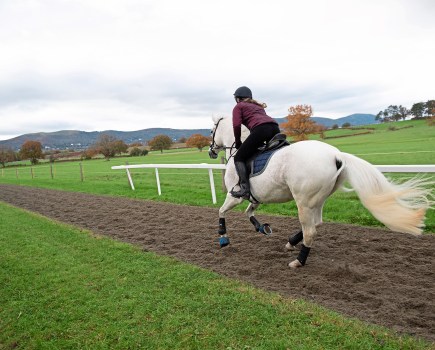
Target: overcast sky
[96,65]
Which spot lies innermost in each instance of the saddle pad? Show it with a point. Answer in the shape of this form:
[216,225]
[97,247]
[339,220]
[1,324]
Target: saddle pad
[259,163]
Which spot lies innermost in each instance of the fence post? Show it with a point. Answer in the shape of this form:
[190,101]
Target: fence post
[159,190]
[31,172]
[130,180]
[16,172]
[224,188]
[213,191]
[51,171]
[81,172]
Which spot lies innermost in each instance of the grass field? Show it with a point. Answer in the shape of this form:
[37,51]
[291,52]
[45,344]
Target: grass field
[64,288]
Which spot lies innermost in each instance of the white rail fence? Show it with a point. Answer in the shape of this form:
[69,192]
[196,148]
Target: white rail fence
[211,167]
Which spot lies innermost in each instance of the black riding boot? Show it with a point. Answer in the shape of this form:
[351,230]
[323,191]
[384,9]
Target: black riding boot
[243,181]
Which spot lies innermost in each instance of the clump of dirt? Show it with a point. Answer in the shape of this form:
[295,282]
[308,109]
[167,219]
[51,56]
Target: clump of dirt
[372,274]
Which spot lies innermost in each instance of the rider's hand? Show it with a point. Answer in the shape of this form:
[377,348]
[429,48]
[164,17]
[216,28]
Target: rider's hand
[238,144]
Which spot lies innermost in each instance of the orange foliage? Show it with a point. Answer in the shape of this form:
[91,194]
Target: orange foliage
[198,141]
[31,150]
[299,123]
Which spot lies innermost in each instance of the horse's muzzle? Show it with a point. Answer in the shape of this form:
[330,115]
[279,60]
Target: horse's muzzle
[212,154]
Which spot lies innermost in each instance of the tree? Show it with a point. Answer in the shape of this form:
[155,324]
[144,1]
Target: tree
[198,141]
[109,146]
[31,150]
[160,142]
[135,152]
[299,123]
[7,155]
[418,110]
[430,108]
[90,153]
[402,113]
[120,147]
[393,113]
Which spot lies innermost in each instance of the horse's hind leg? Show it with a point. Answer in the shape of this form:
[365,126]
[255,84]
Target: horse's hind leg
[263,228]
[297,237]
[309,218]
[230,203]
[294,239]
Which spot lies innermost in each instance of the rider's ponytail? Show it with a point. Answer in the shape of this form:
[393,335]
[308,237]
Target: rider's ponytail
[250,100]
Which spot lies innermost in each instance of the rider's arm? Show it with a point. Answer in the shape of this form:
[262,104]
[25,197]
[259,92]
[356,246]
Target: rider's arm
[237,124]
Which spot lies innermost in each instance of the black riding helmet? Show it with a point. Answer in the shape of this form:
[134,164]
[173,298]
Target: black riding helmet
[243,92]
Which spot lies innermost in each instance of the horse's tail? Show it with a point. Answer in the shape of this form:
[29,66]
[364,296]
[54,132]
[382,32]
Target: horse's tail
[400,207]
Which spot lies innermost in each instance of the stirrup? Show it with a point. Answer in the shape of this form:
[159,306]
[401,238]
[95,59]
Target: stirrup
[240,194]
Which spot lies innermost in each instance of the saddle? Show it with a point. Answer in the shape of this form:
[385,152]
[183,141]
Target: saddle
[276,142]
[257,163]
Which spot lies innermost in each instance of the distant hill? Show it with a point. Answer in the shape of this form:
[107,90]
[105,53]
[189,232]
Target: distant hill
[79,140]
[82,139]
[353,119]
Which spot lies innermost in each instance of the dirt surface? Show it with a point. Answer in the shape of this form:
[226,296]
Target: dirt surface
[372,274]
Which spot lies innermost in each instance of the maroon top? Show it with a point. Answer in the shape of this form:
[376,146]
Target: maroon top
[250,115]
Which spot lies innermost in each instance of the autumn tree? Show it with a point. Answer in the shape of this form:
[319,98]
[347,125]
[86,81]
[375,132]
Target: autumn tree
[299,123]
[7,155]
[109,146]
[198,141]
[160,142]
[90,153]
[120,147]
[31,150]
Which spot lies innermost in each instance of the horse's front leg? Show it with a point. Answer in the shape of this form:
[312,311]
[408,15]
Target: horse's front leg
[263,228]
[230,203]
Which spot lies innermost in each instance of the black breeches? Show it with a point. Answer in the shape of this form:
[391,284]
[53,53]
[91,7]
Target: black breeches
[258,136]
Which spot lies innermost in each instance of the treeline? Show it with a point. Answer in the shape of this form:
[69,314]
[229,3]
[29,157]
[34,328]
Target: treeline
[108,146]
[420,110]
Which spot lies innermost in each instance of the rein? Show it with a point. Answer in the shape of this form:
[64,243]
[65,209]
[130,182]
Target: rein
[213,143]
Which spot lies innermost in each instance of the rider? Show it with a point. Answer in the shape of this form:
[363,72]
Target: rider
[262,128]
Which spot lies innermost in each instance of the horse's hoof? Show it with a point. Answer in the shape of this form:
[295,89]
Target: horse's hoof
[288,246]
[295,264]
[266,229]
[224,241]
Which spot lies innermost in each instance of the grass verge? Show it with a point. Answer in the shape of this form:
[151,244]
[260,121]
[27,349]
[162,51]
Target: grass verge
[64,288]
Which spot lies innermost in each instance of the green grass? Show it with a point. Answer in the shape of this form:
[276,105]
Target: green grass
[412,145]
[64,288]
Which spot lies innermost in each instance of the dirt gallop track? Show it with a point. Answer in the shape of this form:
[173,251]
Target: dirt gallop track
[368,273]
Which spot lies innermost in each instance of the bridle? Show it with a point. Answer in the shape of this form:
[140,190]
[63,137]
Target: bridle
[213,146]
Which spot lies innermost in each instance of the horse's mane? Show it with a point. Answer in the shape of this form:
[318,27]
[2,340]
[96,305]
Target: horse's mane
[227,119]
[216,118]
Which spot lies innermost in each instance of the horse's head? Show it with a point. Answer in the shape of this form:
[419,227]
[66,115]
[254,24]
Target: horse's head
[216,139]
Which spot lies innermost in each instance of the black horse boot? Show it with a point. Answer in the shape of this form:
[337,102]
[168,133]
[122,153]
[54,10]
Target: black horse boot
[243,182]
